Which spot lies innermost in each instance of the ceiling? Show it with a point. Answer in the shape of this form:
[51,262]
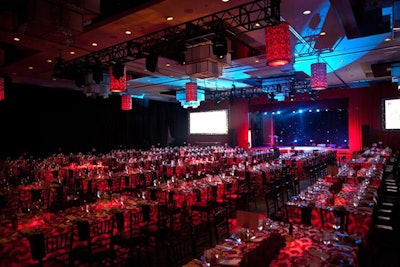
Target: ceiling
[360,45]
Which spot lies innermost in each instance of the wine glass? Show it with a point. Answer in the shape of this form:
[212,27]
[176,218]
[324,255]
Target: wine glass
[336,223]
[207,257]
[326,238]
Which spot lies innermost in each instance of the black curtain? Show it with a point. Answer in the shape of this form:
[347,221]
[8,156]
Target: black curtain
[41,121]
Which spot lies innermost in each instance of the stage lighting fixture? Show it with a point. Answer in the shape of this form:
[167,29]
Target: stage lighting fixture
[118,70]
[57,69]
[97,73]
[79,79]
[180,54]
[220,46]
[151,62]
[312,95]
[271,97]
[278,88]
[292,95]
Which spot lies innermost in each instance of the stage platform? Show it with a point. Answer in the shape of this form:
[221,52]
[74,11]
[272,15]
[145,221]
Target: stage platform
[284,149]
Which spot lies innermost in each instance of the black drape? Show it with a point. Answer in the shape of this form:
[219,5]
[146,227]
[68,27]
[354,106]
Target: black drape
[40,121]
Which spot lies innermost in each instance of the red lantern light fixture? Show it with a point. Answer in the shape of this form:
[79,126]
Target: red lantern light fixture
[191,92]
[126,102]
[318,76]
[277,45]
[117,83]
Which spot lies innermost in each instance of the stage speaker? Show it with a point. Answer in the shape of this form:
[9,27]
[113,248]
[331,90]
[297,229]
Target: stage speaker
[366,135]
[232,142]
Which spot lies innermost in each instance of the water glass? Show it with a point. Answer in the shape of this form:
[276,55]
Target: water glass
[336,223]
[326,238]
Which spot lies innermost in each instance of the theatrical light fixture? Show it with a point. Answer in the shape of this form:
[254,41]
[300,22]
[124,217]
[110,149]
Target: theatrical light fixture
[292,95]
[220,46]
[271,97]
[180,54]
[118,70]
[151,62]
[312,96]
[79,78]
[57,70]
[278,88]
[97,73]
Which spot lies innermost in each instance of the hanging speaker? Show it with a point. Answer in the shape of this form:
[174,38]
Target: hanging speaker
[151,62]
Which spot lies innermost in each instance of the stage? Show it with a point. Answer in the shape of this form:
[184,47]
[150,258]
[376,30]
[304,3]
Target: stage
[285,149]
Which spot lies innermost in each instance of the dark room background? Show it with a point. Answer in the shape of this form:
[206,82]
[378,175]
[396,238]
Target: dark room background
[41,121]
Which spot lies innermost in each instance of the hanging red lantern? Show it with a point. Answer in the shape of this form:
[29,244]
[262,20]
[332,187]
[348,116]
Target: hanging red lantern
[117,85]
[191,92]
[126,102]
[1,88]
[277,44]
[318,76]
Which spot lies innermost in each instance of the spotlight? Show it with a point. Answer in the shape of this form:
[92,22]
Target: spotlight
[151,62]
[180,54]
[220,46]
[312,95]
[118,70]
[271,97]
[57,69]
[79,79]
[292,95]
[97,73]
[278,88]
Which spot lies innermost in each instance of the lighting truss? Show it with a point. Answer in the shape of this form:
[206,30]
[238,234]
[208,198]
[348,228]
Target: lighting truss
[243,18]
[251,92]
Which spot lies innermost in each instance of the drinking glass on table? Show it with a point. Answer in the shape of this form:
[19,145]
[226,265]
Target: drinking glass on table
[326,238]
[207,257]
[336,223]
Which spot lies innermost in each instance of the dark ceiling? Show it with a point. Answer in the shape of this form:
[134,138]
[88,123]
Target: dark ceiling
[360,47]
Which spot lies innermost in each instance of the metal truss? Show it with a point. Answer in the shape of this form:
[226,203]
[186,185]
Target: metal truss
[243,18]
[250,92]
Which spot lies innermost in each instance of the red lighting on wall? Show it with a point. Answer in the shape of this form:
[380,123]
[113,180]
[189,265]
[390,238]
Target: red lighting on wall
[191,92]
[1,88]
[126,102]
[277,42]
[117,85]
[318,76]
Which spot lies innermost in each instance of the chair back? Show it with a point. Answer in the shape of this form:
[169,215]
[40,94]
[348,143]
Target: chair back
[179,252]
[221,224]
[98,234]
[54,248]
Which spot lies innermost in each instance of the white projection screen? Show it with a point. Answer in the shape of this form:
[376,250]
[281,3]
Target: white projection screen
[208,122]
[391,114]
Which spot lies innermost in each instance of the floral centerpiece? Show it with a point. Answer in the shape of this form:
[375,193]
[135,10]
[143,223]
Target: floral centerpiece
[335,188]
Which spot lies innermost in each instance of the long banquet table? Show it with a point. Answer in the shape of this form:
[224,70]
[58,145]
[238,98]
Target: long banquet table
[275,244]
[14,244]
[358,200]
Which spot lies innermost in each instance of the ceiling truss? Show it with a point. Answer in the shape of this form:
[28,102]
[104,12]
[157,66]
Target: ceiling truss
[243,18]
